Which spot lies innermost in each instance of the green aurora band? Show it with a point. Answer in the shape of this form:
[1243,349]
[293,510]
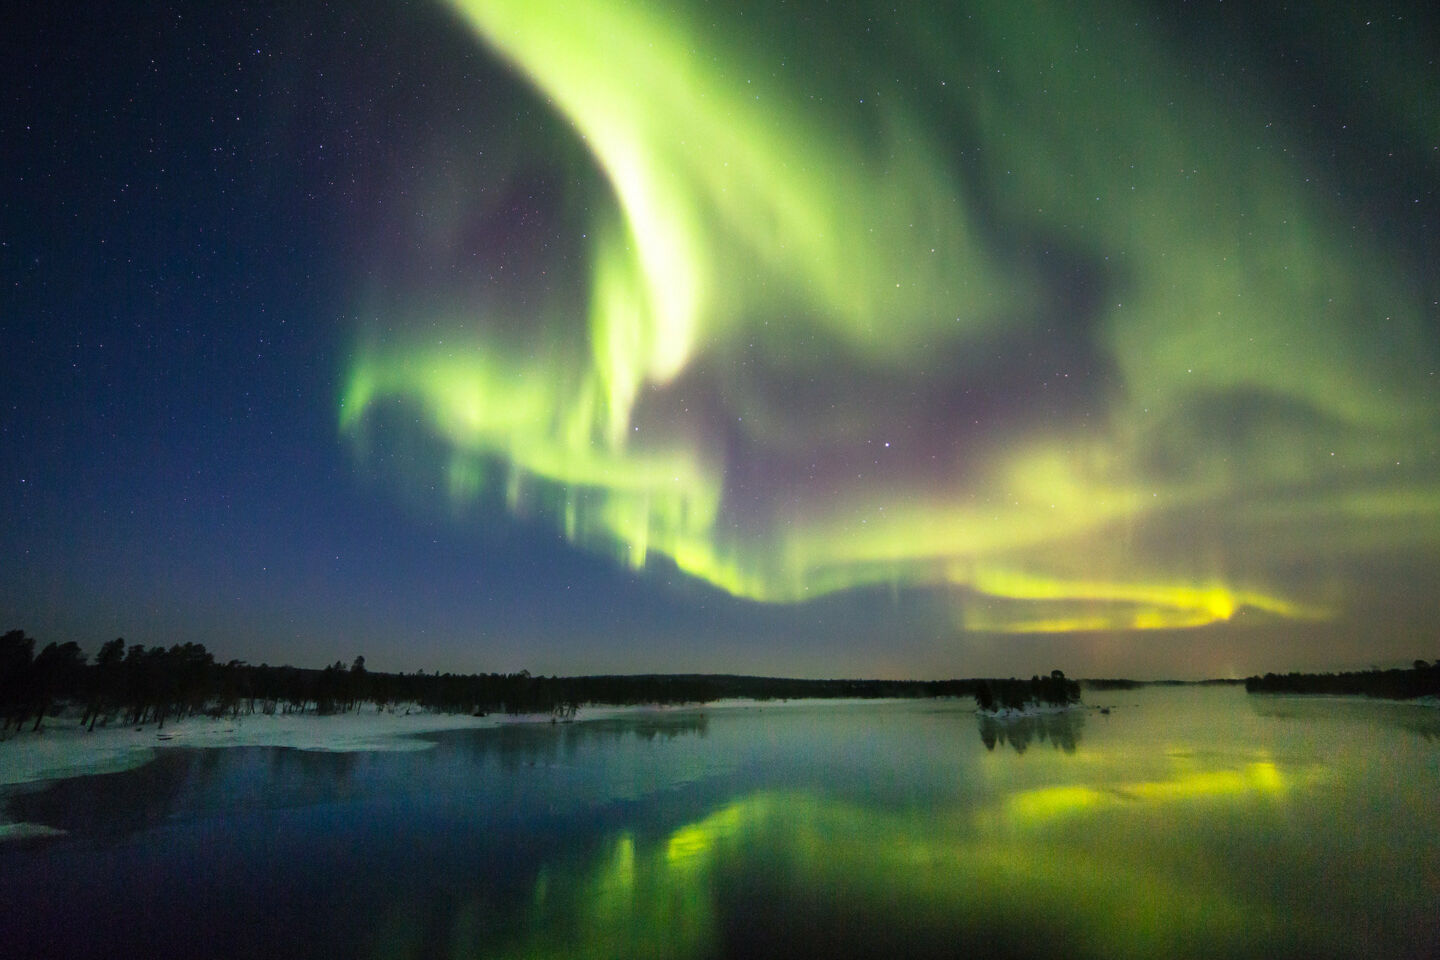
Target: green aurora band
[817,237]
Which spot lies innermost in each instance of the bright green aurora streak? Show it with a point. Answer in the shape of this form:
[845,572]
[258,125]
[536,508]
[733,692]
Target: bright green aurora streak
[810,245]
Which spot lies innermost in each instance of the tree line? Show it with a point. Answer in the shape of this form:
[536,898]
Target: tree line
[133,684]
[1421,680]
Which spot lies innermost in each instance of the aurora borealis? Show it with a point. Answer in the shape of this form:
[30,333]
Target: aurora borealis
[880,341]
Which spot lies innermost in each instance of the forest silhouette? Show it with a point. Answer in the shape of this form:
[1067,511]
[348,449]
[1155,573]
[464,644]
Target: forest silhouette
[131,684]
[1421,680]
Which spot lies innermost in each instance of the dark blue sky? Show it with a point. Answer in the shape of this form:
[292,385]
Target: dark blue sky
[212,214]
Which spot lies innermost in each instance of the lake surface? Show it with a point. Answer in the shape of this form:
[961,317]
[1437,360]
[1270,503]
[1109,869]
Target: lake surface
[1188,822]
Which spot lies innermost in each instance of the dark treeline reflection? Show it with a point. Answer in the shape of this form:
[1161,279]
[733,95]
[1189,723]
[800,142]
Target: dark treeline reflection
[285,853]
[526,745]
[189,783]
[133,684]
[1061,730]
[1421,721]
[252,839]
[199,782]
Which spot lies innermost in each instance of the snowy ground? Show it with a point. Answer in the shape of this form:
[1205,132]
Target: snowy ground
[62,748]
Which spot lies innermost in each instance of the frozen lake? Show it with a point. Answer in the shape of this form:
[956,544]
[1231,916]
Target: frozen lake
[1187,822]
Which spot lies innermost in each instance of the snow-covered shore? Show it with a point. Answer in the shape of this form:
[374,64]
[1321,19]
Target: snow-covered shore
[63,748]
[1031,709]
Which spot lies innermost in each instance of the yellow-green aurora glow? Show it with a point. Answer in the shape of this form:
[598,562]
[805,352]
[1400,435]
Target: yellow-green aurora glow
[1018,305]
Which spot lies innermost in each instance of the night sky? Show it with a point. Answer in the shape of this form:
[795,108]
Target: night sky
[777,338]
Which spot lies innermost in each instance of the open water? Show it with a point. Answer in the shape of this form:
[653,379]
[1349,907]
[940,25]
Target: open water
[1187,822]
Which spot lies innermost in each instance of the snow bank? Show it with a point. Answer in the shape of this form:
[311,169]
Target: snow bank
[1031,709]
[62,748]
[27,831]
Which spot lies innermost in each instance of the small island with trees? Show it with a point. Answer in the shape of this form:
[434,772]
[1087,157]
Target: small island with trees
[1016,698]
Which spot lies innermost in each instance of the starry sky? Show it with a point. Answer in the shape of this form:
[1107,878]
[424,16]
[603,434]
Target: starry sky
[806,339]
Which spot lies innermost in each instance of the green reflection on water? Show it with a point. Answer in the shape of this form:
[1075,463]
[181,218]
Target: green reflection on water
[1256,780]
[773,867]
[1186,824]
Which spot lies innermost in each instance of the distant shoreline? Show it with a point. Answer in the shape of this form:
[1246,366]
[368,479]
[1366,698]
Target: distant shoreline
[63,748]
[1420,683]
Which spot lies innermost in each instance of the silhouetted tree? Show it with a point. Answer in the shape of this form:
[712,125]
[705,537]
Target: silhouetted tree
[16,651]
[56,668]
[985,698]
[359,683]
[1012,695]
[1056,690]
[105,681]
[230,689]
